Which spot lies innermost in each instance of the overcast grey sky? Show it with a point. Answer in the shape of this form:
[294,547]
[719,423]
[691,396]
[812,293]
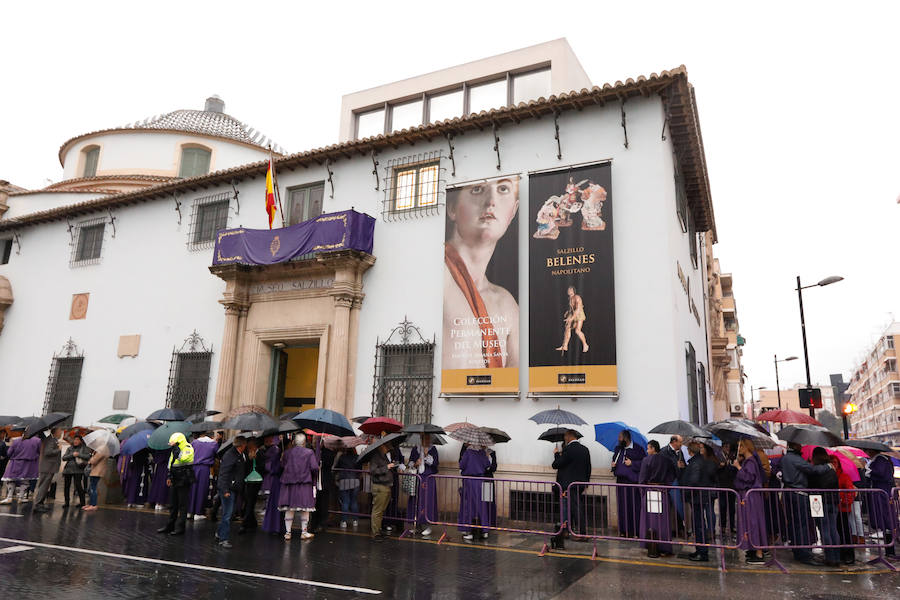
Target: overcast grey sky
[798,101]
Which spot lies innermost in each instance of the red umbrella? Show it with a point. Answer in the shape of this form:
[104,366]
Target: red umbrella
[787,416]
[376,425]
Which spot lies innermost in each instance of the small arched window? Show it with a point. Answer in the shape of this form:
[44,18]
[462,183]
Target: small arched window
[194,161]
[91,158]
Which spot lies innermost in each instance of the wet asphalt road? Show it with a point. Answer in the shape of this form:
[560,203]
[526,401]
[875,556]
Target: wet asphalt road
[121,556]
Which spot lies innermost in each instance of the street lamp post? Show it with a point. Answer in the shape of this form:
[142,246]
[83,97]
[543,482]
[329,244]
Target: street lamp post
[777,382]
[752,401]
[800,288]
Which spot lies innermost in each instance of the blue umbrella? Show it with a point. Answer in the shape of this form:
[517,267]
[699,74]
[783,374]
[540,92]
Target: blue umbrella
[136,442]
[608,434]
[557,416]
[323,420]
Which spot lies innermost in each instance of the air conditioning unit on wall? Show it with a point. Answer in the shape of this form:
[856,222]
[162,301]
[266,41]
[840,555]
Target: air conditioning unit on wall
[736,409]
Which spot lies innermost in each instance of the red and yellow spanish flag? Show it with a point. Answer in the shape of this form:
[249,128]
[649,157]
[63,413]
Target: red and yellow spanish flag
[270,193]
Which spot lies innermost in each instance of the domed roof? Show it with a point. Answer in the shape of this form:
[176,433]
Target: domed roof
[211,121]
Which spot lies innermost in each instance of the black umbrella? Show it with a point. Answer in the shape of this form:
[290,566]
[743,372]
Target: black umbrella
[389,439]
[224,447]
[205,426]
[200,416]
[250,421]
[556,434]
[166,414]
[324,420]
[46,422]
[8,420]
[23,423]
[415,439]
[136,428]
[732,431]
[810,435]
[679,427]
[421,428]
[289,415]
[286,426]
[868,445]
[498,435]
[361,419]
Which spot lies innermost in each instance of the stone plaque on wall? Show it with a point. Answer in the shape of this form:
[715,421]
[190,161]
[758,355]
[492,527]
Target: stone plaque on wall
[79,306]
[129,345]
[120,399]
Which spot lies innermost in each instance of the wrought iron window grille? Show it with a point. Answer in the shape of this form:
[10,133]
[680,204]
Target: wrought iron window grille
[209,214]
[403,386]
[414,186]
[64,380]
[86,242]
[189,370]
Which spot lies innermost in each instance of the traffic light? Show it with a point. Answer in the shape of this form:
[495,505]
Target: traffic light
[850,408]
[810,397]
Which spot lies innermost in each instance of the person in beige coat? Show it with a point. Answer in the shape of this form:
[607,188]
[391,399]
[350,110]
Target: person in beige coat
[98,465]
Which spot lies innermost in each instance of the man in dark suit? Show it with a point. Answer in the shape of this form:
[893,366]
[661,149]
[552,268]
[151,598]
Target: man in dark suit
[674,454]
[572,463]
[230,483]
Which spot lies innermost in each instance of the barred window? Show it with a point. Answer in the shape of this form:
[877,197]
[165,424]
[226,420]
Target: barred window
[64,380]
[189,375]
[404,376]
[690,359]
[414,186]
[208,215]
[87,242]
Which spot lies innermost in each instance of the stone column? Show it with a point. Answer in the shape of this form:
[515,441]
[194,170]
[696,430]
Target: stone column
[338,350]
[351,355]
[228,358]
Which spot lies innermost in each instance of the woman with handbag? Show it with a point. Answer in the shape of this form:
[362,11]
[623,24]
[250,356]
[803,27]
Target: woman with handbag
[75,459]
[95,470]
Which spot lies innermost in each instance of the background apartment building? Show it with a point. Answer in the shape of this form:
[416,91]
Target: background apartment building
[875,389]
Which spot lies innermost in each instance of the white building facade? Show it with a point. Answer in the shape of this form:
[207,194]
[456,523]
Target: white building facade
[116,319]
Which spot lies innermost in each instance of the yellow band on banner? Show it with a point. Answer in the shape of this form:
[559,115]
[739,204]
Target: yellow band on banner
[590,378]
[479,381]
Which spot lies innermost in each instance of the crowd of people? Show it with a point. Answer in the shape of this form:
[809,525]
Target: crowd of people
[292,477]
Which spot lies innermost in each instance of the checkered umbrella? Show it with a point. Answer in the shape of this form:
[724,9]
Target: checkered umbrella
[557,417]
[472,436]
[461,425]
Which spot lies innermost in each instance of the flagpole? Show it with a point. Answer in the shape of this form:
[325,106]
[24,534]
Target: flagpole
[275,184]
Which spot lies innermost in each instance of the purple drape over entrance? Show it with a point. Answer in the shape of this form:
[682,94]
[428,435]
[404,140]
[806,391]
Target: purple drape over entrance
[347,230]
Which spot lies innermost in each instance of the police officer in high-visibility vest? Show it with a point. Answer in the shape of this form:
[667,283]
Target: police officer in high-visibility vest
[181,476]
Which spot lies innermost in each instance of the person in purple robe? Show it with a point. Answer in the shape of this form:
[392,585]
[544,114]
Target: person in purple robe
[752,528]
[205,449]
[473,507]
[22,468]
[880,473]
[423,461]
[626,466]
[135,485]
[272,521]
[159,492]
[656,469]
[298,485]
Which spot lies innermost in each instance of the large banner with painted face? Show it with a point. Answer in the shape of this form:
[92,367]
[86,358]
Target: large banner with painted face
[571,300]
[480,344]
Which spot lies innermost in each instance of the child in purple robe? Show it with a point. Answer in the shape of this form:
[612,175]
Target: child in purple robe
[626,466]
[159,492]
[272,521]
[22,468]
[752,528]
[656,469]
[135,485]
[423,461]
[298,485]
[205,449]
[473,507]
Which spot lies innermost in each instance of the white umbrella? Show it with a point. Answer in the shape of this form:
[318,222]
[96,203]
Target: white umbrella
[102,439]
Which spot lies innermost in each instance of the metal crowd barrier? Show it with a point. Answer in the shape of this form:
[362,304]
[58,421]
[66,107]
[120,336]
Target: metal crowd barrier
[403,506]
[654,514]
[477,505]
[792,519]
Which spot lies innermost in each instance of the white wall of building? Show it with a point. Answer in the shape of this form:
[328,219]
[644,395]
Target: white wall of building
[31,203]
[149,283]
[143,152]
